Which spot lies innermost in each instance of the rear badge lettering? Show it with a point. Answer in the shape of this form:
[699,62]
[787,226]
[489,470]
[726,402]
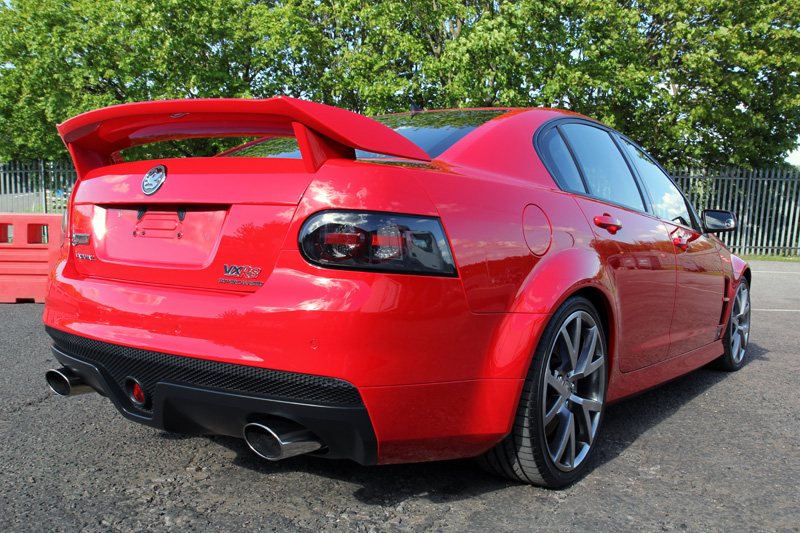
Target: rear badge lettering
[80,238]
[154,179]
[85,256]
[243,271]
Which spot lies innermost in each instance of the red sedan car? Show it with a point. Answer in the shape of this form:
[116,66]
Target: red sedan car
[414,287]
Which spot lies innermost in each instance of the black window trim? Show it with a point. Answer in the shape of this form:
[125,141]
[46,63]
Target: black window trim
[559,121]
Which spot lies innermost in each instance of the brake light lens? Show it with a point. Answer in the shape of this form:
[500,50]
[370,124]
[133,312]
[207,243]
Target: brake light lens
[384,242]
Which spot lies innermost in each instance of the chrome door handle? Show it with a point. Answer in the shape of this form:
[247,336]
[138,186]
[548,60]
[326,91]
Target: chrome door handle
[608,222]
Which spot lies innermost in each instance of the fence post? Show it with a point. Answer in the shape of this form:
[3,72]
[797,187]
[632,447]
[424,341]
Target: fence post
[44,188]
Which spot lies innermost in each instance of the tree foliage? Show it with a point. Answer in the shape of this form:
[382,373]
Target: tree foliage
[696,82]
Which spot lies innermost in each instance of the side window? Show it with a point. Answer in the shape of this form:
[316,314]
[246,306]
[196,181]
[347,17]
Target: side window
[560,163]
[668,202]
[605,170]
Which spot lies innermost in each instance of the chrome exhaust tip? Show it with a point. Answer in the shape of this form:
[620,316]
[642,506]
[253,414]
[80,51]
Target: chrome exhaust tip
[280,439]
[65,382]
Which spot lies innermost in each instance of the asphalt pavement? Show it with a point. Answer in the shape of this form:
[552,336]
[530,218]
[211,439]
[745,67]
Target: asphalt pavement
[709,452]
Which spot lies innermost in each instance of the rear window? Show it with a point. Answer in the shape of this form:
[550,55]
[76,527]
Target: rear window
[283,147]
[433,131]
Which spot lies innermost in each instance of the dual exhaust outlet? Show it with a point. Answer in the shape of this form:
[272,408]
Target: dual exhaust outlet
[65,382]
[274,440]
[280,439]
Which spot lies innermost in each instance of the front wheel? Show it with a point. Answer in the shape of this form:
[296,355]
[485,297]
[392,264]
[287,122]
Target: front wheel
[558,419]
[738,331]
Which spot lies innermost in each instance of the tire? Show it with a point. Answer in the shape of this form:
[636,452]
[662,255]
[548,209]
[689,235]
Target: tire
[558,420]
[737,333]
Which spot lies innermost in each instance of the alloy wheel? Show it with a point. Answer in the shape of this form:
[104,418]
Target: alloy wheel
[574,391]
[740,323]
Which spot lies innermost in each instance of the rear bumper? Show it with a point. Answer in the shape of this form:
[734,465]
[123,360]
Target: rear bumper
[184,406]
[397,424]
[431,380]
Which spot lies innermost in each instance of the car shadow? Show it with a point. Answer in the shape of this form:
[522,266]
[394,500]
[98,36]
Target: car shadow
[626,421]
[451,481]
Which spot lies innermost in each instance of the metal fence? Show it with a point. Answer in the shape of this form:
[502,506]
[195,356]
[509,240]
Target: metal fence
[767,202]
[35,186]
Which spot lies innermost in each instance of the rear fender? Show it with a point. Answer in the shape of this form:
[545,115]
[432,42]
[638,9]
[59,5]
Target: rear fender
[555,279]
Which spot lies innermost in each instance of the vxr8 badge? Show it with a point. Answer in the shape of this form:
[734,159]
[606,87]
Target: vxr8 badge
[243,271]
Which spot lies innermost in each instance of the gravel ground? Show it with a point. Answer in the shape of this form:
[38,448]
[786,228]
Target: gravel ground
[708,452]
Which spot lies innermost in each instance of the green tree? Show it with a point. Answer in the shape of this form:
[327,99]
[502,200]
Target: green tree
[697,82]
[60,58]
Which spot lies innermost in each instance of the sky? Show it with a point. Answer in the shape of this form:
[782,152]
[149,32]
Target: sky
[794,158]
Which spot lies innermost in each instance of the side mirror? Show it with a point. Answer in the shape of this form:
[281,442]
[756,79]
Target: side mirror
[717,221]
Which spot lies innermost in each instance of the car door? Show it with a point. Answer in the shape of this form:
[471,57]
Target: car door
[635,247]
[700,278]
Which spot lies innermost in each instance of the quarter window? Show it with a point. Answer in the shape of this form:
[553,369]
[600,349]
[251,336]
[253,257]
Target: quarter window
[606,173]
[560,163]
[668,202]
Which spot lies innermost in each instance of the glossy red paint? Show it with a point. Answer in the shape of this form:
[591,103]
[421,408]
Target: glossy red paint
[700,294]
[439,361]
[438,421]
[640,264]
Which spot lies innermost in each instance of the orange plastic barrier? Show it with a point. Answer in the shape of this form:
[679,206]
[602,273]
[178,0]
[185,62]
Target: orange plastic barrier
[28,250]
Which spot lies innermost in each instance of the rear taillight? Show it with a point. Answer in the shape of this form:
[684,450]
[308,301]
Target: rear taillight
[383,242]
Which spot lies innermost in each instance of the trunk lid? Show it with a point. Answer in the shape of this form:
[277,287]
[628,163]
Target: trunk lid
[209,223]
[215,223]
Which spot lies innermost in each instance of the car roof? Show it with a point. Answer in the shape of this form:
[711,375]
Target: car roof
[503,146]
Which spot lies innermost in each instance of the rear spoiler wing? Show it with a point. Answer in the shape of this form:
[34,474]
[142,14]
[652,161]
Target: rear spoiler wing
[323,132]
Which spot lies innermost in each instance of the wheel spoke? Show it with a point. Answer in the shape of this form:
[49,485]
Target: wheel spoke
[745,314]
[588,407]
[571,342]
[564,442]
[735,345]
[583,366]
[563,395]
[557,408]
[595,365]
[552,381]
[574,353]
